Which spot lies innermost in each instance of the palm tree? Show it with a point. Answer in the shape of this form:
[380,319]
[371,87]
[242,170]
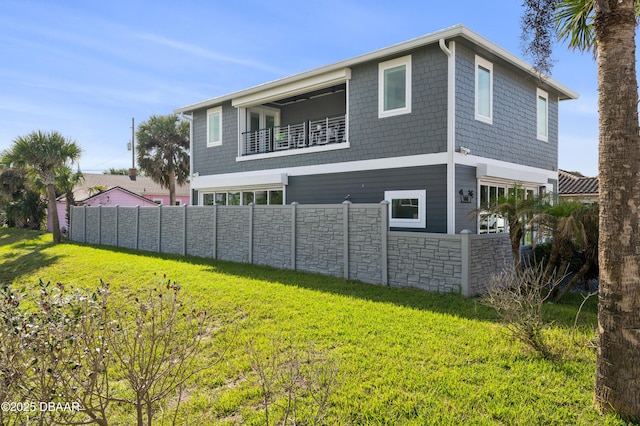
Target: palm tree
[608,28]
[163,151]
[20,205]
[42,154]
[517,209]
[573,228]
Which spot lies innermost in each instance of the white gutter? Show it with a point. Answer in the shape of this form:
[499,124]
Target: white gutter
[451,133]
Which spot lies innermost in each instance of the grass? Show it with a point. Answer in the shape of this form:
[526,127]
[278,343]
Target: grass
[405,356]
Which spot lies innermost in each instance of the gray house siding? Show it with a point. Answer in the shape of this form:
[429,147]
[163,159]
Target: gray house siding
[465,181]
[423,131]
[369,187]
[512,136]
[217,159]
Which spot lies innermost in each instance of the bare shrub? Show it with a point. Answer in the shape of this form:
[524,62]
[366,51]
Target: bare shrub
[295,382]
[155,345]
[518,297]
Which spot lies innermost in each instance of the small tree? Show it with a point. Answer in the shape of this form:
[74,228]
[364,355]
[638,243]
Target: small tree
[163,151]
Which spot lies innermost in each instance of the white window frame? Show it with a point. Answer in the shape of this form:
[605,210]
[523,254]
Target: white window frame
[241,192]
[481,62]
[210,141]
[541,94]
[421,220]
[382,67]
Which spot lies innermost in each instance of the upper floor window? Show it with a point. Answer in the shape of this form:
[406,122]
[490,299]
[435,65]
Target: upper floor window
[543,114]
[484,90]
[394,87]
[214,126]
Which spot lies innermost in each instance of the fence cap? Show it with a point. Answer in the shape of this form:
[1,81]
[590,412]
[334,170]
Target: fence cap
[466,231]
[387,202]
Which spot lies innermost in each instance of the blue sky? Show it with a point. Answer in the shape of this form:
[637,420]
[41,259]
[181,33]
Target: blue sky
[85,68]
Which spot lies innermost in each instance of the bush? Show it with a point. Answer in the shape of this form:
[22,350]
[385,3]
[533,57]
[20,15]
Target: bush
[518,298]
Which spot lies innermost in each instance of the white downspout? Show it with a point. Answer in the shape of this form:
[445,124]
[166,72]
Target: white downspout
[451,132]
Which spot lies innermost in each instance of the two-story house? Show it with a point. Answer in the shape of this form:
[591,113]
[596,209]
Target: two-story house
[436,125]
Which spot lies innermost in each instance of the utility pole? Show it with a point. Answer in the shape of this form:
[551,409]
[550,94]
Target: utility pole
[132,170]
[133,144]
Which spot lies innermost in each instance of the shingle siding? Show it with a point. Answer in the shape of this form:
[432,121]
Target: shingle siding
[512,136]
[421,132]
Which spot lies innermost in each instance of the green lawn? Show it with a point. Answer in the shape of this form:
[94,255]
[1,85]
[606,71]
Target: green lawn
[404,356]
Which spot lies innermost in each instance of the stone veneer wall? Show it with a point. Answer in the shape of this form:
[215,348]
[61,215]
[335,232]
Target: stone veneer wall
[345,240]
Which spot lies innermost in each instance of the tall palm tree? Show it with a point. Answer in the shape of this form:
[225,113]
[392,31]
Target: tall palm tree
[163,151]
[608,28]
[42,154]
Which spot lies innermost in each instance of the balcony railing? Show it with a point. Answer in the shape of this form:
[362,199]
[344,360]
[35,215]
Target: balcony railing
[330,130]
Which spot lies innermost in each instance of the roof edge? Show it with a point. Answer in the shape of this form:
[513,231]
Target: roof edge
[455,31]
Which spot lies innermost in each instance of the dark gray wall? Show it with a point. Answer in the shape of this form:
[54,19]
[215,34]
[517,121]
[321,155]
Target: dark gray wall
[369,187]
[314,109]
[512,136]
[465,180]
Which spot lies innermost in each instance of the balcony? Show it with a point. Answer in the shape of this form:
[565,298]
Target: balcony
[299,136]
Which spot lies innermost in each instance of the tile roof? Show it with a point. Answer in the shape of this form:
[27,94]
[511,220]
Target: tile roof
[575,183]
[143,185]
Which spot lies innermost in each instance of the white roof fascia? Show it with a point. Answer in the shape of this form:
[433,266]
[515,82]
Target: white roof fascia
[447,33]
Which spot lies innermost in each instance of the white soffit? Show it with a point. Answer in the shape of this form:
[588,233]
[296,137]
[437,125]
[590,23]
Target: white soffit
[514,174]
[293,88]
[239,181]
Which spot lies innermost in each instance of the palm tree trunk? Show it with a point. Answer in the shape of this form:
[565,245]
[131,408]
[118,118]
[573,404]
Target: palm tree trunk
[617,384]
[172,186]
[53,212]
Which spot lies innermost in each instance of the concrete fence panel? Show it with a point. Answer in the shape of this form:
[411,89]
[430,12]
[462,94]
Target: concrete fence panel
[344,240]
[271,239]
[200,225]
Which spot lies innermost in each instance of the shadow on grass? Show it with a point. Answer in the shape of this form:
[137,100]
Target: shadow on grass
[25,256]
[445,303]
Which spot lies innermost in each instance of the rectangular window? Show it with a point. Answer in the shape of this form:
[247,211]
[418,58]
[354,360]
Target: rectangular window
[234,198]
[207,199]
[407,209]
[247,198]
[484,90]
[394,87]
[221,198]
[543,115]
[214,126]
[260,197]
[491,223]
[276,197]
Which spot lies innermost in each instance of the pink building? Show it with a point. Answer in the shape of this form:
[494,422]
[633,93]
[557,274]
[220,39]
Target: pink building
[118,190]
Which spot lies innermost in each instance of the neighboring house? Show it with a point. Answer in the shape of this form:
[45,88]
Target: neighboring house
[118,190]
[436,125]
[575,186]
